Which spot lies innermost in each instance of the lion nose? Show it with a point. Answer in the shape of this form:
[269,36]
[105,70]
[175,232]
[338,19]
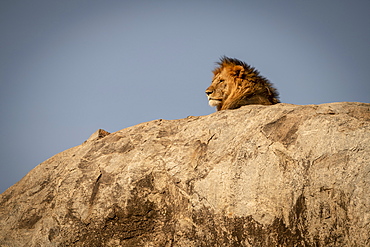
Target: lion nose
[208,92]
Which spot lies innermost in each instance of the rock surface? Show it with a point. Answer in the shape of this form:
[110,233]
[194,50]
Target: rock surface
[281,175]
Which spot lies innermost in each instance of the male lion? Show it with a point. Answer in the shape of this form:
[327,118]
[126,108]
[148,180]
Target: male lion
[235,84]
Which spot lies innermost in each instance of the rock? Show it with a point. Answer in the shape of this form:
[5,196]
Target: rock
[281,175]
[100,133]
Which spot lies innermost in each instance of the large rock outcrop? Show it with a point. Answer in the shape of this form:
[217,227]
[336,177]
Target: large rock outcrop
[281,175]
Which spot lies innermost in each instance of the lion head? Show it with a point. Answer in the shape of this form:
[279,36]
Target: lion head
[235,84]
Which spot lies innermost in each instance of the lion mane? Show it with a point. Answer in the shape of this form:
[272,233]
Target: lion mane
[235,84]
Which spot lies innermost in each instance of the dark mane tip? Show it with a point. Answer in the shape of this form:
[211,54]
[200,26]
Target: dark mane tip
[224,60]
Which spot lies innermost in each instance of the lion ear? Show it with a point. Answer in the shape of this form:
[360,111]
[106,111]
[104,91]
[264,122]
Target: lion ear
[237,71]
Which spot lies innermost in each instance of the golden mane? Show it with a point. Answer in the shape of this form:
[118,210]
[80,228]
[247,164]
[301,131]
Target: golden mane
[235,84]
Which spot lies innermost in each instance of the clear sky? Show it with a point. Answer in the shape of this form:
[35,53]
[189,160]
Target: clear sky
[68,68]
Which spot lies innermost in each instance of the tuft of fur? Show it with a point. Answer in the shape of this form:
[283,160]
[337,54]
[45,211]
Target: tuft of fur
[235,84]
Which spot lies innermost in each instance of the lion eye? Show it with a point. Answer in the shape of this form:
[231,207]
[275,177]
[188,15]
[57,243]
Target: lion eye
[221,81]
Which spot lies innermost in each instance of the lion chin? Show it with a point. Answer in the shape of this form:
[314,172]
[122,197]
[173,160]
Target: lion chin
[214,102]
[235,84]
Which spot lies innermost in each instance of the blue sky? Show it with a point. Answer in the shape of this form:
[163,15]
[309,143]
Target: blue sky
[68,68]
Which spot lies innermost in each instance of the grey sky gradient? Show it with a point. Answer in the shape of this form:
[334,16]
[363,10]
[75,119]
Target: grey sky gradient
[68,68]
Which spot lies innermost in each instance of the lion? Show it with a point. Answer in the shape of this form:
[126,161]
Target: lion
[235,84]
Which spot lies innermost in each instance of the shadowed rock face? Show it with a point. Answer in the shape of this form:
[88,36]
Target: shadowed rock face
[281,175]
